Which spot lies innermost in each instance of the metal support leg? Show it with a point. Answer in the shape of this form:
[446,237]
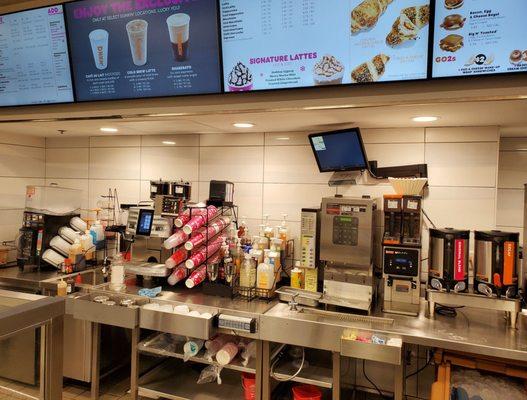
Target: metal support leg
[399,381]
[134,373]
[259,365]
[266,373]
[51,359]
[95,362]
[431,309]
[513,318]
[336,375]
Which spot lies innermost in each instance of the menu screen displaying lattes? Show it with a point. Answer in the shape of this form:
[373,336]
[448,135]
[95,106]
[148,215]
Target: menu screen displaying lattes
[477,37]
[123,49]
[274,44]
[34,60]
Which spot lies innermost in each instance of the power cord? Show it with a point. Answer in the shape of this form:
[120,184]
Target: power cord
[423,367]
[370,381]
[447,311]
[290,378]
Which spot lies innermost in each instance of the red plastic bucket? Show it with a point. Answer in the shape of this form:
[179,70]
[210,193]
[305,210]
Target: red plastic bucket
[249,386]
[307,392]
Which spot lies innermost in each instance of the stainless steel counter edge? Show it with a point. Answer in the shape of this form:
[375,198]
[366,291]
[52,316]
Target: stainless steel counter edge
[476,331]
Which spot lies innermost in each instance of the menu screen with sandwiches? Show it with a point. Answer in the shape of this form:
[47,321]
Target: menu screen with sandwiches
[477,37]
[276,44]
[124,49]
[34,60]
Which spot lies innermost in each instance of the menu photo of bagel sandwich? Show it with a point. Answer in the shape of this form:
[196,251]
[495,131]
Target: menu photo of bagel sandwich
[366,15]
[452,43]
[408,24]
[453,4]
[370,71]
[453,22]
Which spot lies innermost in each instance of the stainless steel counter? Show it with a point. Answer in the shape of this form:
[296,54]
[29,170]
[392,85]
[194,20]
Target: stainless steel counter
[41,281]
[473,331]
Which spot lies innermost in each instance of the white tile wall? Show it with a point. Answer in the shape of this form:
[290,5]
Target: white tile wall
[67,162]
[22,163]
[512,177]
[276,173]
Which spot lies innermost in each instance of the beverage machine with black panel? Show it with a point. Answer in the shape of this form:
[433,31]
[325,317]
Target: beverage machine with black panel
[169,196]
[401,254]
[346,248]
[496,263]
[448,260]
[393,219]
[48,208]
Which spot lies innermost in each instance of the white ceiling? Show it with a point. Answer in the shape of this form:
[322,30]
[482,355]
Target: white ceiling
[511,115]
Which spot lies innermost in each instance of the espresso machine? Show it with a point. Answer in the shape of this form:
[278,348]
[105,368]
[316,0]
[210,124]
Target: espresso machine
[347,227]
[401,253]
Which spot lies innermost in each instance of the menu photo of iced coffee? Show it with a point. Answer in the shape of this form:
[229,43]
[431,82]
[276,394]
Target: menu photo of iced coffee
[126,50]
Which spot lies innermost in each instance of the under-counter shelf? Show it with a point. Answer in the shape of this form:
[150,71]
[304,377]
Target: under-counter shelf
[153,345]
[180,324]
[174,380]
[318,374]
[86,308]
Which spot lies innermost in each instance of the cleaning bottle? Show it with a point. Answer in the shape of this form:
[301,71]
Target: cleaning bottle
[75,253]
[265,275]
[97,232]
[87,245]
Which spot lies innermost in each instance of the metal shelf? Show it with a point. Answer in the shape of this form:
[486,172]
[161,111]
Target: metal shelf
[316,375]
[171,380]
[148,346]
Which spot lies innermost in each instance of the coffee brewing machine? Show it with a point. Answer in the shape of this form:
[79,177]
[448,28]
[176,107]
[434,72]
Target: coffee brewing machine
[346,249]
[494,285]
[401,254]
[151,222]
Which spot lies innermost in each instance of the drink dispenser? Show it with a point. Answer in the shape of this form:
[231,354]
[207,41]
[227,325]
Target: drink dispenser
[448,259]
[496,263]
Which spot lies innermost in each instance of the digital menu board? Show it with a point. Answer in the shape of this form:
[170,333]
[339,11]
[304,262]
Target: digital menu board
[124,49]
[275,44]
[477,37]
[34,60]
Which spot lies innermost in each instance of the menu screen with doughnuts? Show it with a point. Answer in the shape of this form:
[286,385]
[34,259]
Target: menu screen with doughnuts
[479,37]
[276,44]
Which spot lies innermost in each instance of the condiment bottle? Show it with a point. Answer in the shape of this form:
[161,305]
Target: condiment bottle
[62,289]
[248,272]
[296,276]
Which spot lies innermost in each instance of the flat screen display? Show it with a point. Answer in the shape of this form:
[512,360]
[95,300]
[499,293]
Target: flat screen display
[123,49]
[339,150]
[276,44]
[478,37]
[34,60]
[145,222]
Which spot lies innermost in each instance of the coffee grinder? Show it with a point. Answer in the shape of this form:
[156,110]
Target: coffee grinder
[402,254]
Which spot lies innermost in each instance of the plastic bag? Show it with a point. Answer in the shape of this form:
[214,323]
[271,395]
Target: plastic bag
[249,351]
[210,374]
[191,348]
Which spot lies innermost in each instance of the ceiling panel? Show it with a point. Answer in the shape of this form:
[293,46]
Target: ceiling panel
[511,115]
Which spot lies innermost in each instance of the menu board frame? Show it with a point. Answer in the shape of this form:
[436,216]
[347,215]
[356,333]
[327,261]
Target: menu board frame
[431,60]
[220,66]
[222,91]
[69,59]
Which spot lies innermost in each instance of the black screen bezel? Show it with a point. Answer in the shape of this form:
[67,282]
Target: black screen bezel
[69,59]
[338,132]
[138,230]
[73,74]
[223,92]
